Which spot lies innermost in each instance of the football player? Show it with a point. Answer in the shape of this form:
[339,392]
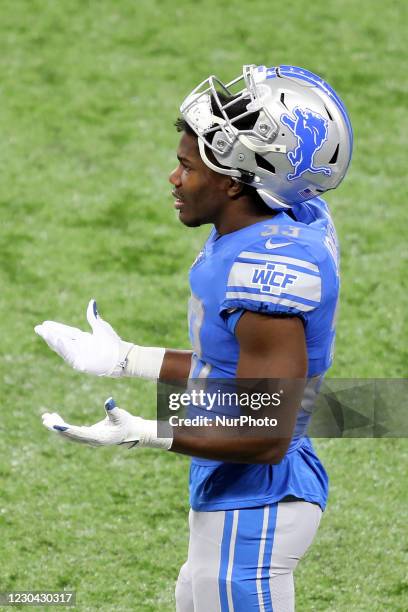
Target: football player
[254,157]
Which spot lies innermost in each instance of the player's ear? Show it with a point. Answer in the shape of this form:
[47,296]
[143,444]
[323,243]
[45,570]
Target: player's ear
[234,187]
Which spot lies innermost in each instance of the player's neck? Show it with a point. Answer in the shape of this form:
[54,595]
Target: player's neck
[239,214]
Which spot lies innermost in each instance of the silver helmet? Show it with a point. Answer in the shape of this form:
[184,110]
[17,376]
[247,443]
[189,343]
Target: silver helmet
[282,130]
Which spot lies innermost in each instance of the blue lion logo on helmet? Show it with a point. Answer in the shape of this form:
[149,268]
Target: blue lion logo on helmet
[310,130]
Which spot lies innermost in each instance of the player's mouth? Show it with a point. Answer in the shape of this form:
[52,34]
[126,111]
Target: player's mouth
[178,204]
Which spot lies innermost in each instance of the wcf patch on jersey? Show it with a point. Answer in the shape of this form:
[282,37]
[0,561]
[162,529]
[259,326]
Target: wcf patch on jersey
[272,278]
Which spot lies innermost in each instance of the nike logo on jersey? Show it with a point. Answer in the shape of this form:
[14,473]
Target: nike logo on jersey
[275,245]
[199,257]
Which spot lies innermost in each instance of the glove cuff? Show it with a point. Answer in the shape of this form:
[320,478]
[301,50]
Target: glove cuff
[148,437]
[143,361]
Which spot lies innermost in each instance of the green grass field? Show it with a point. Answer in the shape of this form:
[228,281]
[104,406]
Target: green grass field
[89,92]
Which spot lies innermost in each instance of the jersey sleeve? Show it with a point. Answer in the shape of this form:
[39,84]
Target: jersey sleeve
[285,281]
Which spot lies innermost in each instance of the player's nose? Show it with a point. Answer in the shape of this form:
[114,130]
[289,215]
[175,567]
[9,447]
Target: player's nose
[174,176]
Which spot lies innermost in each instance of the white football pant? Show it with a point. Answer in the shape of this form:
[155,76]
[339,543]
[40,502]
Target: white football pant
[243,560]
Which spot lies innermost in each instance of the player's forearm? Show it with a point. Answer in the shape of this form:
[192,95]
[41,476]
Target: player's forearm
[176,365]
[231,450]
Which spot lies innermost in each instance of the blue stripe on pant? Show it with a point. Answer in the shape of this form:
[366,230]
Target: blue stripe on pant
[246,551]
[225,547]
[267,557]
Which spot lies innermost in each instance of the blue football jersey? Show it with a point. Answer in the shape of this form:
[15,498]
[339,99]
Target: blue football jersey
[279,266]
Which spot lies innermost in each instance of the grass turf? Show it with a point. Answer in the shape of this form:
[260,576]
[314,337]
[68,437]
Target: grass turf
[89,93]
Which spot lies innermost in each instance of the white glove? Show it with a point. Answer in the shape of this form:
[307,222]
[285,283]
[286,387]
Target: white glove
[118,427]
[101,352]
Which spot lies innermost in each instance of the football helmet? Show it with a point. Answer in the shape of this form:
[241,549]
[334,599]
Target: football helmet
[282,130]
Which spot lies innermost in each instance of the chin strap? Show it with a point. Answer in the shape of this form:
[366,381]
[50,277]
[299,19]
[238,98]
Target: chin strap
[271,201]
[226,171]
[261,148]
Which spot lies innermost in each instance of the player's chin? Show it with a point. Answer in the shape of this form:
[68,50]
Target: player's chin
[189,220]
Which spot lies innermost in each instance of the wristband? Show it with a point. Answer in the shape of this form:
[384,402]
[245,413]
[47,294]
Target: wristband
[148,436]
[143,361]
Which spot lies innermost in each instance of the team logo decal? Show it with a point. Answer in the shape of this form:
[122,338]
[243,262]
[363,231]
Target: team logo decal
[310,130]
